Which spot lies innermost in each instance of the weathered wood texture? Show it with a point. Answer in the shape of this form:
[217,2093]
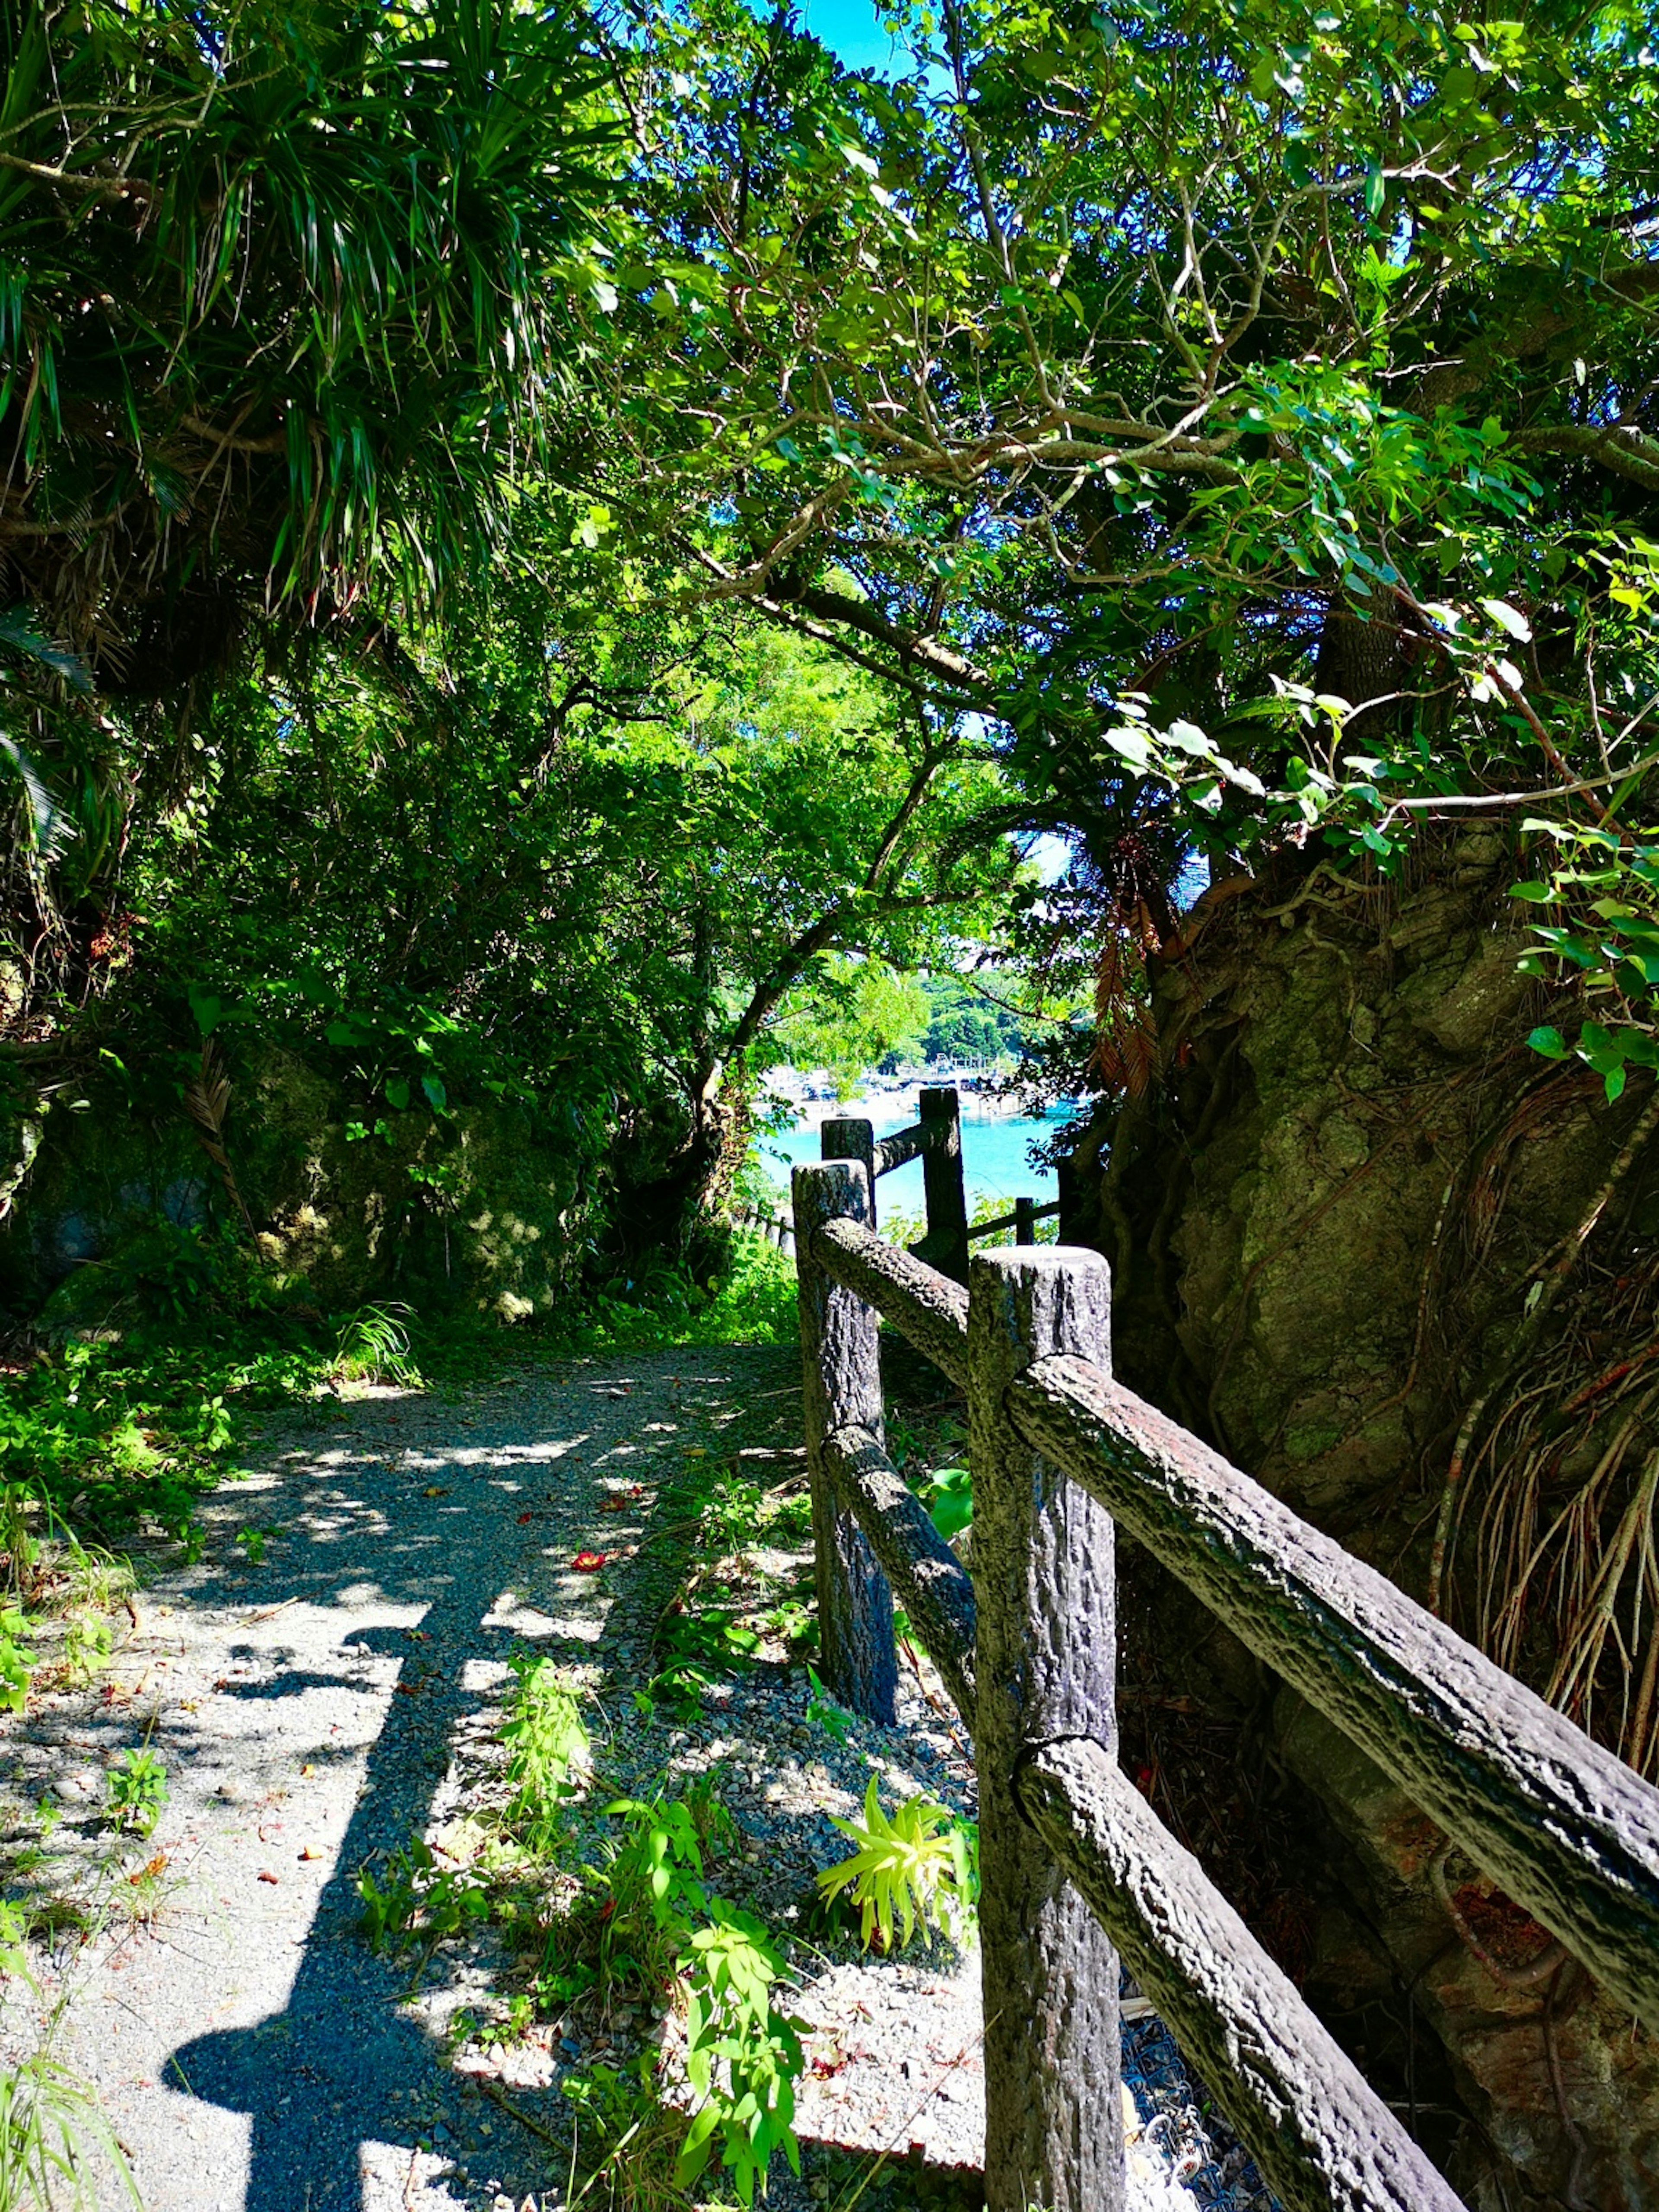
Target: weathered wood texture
[1569,1830]
[903,1145]
[925,1306]
[1323,2141]
[945,1245]
[1072,1203]
[841,1378]
[850,1136]
[1044,1664]
[929,1581]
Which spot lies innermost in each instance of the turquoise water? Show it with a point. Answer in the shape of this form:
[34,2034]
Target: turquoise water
[993,1149]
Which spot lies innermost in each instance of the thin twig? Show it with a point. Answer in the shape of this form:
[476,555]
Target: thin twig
[271,1611]
[498,2095]
[911,2117]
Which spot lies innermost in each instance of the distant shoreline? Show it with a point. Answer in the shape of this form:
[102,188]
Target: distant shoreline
[876,1101]
[995,1141]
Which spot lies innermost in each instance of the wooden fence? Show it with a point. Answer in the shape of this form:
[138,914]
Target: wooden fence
[937,1139]
[777,1228]
[1076,1869]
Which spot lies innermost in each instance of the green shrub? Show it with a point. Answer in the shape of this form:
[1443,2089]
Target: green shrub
[546,1739]
[372,1346]
[418,1902]
[49,2120]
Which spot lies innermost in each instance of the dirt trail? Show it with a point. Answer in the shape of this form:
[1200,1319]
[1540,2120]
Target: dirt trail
[328,1687]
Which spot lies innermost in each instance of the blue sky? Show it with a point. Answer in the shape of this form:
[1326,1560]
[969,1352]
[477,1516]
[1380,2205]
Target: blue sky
[850,27]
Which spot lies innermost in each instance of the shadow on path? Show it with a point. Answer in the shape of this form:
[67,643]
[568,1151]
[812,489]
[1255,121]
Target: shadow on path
[341,2067]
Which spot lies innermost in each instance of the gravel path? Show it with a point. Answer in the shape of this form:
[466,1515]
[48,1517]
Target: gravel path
[326,1681]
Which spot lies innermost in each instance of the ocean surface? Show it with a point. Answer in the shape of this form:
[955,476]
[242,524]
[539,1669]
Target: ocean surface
[994,1153]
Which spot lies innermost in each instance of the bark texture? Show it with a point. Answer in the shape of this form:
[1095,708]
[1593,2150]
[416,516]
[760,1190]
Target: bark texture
[1530,1795]
[1045,1666]
[932,1584]
[930,1309]
[945,1244]
[1324,2141]
[842,1388]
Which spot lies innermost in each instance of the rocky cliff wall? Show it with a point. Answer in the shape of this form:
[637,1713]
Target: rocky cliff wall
[1330,1213]
[487,1207]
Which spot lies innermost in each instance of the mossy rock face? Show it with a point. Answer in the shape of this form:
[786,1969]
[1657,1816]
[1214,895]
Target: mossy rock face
[1325,1219]
[1277,1206]
[482,1207]
[89,1304]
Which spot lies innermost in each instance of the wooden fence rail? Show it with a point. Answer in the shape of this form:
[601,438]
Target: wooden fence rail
[777,1228]
[1074,1861]
[936,1140]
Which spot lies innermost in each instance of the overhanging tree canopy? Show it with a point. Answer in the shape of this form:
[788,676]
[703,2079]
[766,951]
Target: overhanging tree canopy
[1143,365]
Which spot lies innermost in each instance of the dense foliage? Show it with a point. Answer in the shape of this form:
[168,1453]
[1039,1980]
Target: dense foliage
[1206,426]
[1247,407]
[1202,427]
[288,298]
[554,558]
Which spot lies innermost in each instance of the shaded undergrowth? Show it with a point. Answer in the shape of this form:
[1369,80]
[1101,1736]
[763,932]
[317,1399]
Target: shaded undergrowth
[123,1406]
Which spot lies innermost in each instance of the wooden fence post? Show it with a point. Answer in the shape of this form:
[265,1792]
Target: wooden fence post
[1071,1228]
[840,1374]
[1044,1670]
[847,1137]
[1025,1221]
[941,1178]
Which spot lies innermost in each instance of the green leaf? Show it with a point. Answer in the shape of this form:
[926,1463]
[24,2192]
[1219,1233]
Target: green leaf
[1550,1042]
[19,635]
[1509,618]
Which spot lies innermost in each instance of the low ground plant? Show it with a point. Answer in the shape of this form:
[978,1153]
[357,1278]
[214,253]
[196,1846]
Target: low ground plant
[416,1903]
[54,2139]
[948,1494]
[751,1301]
[372,1345]
[548,1749]
[917,1868]
[16,1660]
[616,1901]
[136,1789]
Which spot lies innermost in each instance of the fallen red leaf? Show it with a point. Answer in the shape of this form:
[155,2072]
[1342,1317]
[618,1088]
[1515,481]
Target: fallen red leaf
[588,1563]
[266,1876]
[523,1518]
